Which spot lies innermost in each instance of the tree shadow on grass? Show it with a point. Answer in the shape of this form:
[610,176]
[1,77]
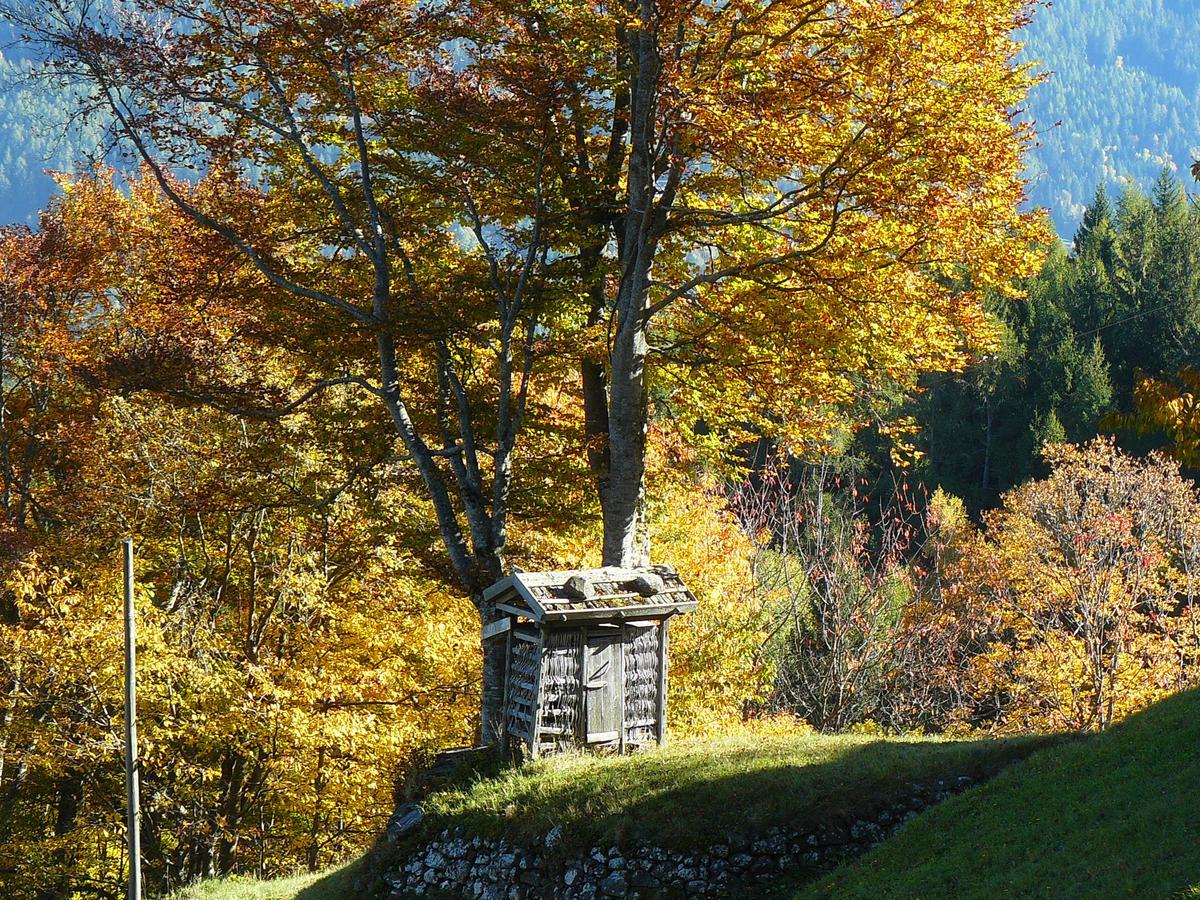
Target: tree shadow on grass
[689,802]
[355,879]
[689,799]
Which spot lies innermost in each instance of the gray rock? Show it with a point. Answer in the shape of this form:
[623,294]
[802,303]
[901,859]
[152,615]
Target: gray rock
[404,820]
[579,588]
[433,859]
[762,865]
[648,584]
[645,880]
[570,877]
[554,837]
[615,885]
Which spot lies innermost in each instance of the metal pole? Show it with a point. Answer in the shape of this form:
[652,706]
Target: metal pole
[133,810]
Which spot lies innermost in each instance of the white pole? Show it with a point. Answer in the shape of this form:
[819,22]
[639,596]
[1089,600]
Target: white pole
[133,811]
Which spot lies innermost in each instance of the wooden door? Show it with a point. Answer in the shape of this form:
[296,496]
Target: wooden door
[604,687]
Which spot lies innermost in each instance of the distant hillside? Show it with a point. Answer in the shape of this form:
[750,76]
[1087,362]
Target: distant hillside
[1116,815]
[34,137]
[1125,85]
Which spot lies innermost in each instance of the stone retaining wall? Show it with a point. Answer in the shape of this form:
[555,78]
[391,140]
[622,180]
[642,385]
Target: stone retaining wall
[473,867]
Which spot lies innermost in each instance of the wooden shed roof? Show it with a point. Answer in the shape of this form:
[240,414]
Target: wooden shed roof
[615,594]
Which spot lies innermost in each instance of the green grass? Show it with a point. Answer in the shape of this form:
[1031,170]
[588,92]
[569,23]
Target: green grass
[685,797]
[1115,815]
[334,883]
[697,793]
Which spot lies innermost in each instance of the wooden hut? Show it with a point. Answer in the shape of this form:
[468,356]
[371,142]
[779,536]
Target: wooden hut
[586,660]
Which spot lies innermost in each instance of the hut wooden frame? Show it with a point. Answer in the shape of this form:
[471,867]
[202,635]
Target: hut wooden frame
[585,671]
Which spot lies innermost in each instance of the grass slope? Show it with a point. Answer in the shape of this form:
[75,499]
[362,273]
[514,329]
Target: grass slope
[687,796]
[696,793]
[1115,815]
[334,883]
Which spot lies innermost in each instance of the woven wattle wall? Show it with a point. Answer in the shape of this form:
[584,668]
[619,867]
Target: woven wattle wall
[641,684]
[561,690]
[520,710]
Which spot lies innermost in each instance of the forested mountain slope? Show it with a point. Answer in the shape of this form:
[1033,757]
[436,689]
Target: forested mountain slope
[1122,100]
[34,137]
[1125,86]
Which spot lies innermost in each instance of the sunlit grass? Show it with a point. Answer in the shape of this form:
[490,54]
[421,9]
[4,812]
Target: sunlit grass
[696,793]
[1114,815]
[687,796]
[334,883]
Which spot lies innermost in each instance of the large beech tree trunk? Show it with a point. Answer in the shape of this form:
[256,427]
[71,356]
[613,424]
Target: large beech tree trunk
[638,233]
[627,450]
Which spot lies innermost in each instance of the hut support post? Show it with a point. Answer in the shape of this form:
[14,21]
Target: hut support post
[661,729]
[581,719]
[508,639]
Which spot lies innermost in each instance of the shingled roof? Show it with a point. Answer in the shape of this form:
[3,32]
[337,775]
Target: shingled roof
[609,593]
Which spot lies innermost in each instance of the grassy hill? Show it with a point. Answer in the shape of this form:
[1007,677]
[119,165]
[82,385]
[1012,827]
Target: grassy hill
[697,793]
[1112,815]
[685,797]
[1116,815]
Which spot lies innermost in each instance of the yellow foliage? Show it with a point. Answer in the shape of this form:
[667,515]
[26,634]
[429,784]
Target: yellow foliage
[1077,605]
[715,667]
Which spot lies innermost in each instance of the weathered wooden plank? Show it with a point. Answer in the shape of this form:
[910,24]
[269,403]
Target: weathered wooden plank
[537,698]
[622,613]
[621,698]
[507,684]
[497,628]
[663,646]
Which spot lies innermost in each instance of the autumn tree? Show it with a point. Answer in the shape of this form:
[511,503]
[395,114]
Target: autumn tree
[789,188]
[300,656]
[296,657]
[1168,406]
[1084,591]
[724,214]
